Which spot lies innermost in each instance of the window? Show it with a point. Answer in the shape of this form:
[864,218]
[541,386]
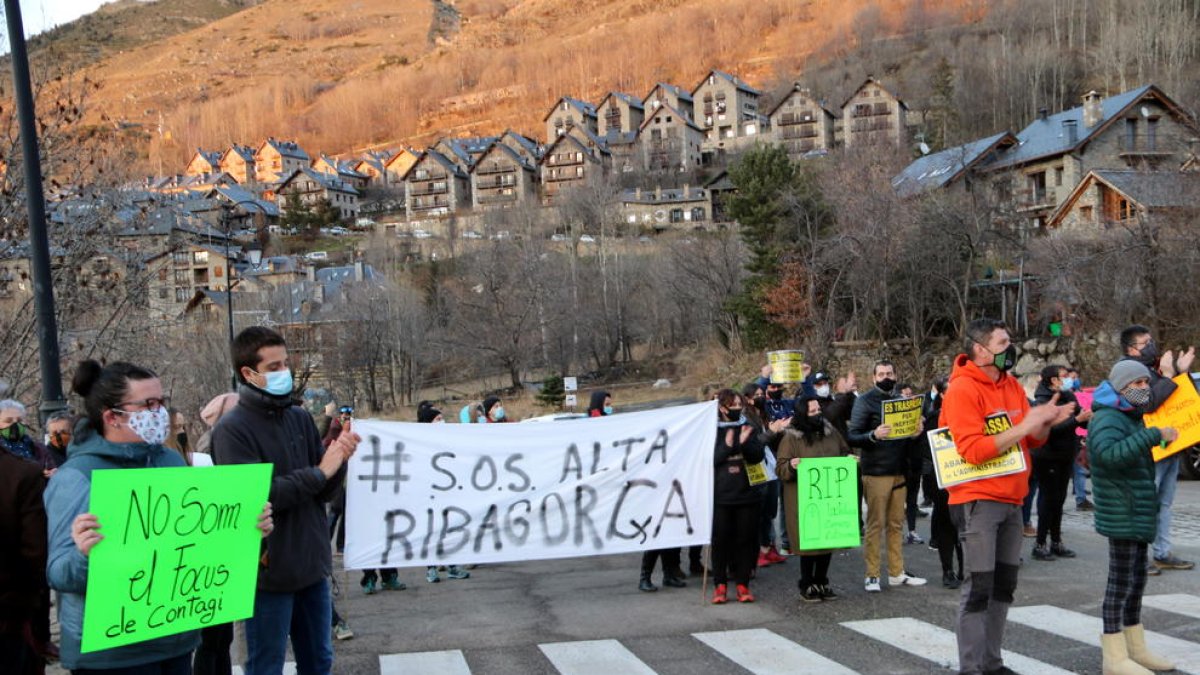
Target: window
[1151,133]
[1058,176]
[181,294]
[181,277]
[218,272]
[698,213]
[1125,209]
[164,293]
[1086,215]
[180,257]
[162,274]
[676,215]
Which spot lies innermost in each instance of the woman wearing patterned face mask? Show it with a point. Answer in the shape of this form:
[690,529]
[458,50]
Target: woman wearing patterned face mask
[125,423]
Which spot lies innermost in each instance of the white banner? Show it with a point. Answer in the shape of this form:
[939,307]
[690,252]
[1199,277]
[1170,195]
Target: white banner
[434,494]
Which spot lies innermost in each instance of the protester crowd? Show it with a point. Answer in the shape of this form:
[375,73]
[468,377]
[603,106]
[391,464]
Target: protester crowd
[766,431]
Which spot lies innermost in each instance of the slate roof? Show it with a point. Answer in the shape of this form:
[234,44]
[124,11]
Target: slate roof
[325,180]
[616,137]
[246,199]
[797,90]
[244,151]
[1155,189]
[531,146]
[679,92]
[213,157]
[737,82]
[629,99]
[667,107]
[1046,137]
[938,169]
[672,195]
[584,107]
[447,163]
[522,161]
[287,148]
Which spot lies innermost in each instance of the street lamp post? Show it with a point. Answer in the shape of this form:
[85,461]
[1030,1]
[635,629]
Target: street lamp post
[255,256]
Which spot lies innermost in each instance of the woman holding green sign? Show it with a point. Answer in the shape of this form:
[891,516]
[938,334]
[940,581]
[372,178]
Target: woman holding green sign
[125,424]
[809,436]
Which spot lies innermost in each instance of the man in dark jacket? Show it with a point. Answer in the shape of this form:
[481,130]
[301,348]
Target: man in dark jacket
[836,405]
[1053,463]
[293,579]
[884,465]
[22,565]
[1138,345]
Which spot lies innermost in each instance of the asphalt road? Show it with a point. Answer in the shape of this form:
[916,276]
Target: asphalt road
[500,616]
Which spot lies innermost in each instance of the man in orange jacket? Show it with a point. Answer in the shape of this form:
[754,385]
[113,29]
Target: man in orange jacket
[988,412]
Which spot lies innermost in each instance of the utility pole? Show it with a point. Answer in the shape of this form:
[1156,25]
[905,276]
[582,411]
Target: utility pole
[39,244]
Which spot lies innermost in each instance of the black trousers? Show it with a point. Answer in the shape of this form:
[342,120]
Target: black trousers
[944,534]
[912,484]
[734,541]
[1054,480]
[670,560]
[212,656]
[814,569]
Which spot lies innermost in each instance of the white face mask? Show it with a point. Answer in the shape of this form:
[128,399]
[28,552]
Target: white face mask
[823,390]
[152,426]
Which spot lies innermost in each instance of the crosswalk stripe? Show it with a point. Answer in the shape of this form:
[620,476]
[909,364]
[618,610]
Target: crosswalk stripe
[1086,629]
[451,662]
[938,644]
[1176,603]
[764,653]
[289,668]
[594,657]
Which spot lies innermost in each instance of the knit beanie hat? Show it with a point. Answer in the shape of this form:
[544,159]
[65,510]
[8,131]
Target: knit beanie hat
[1126,371]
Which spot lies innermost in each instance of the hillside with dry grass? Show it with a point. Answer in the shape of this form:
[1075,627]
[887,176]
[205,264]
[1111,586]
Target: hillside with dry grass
[340,75]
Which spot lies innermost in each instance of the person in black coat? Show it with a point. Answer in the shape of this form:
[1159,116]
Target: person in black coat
[1053,463]
[736,503]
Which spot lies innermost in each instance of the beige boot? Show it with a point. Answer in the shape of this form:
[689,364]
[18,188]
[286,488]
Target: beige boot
[1135,645]
[1116,656]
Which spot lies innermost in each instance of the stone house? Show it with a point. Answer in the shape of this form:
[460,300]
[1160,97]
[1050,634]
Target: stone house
[239,163]
[203,163]
[665,209]
[344,170]
[174,276]
[873,115]
[464,151]
[373,165]
[523,145]
[802,124]
[959,167]
[436,185]
[569,162]
[503,178]
[311,186]
[275,159]
[567,113]
[1108,198]
[670,141]
[398,164]
[727,111]
[668,94]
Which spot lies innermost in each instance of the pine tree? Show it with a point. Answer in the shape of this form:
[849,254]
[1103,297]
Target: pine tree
[942,118]
[552,394]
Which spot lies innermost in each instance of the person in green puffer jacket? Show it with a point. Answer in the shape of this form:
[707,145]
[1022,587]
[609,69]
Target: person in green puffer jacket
[1126,510]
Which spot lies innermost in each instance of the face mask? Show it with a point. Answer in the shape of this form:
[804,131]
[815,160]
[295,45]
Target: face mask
[1068,384]
[1006,359]
[14,431]
[151,426]
[439,421]
[608,409]
[278,382]
[823,391]
[776,394]
[1148,355]
[886,384]
[498,413]
[1138,398]
[734,414]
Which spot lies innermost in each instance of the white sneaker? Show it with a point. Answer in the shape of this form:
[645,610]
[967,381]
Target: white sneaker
[905,579]
[872,585]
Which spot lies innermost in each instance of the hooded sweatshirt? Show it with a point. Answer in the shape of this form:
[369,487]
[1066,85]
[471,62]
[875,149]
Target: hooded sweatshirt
[596,405]
[1119,449]
[264,428]
[970,400]
[67,496]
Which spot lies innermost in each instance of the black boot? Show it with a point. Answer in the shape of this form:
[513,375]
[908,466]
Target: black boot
[673,580]
[645,585]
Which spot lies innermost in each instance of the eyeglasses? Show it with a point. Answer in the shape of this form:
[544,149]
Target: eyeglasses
[147,404]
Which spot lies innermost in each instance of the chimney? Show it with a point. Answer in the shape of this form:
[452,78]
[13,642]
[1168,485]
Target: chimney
[1043,114]
[686,191]
[658,194]
[1071,131]
[637,194]
[1091,108]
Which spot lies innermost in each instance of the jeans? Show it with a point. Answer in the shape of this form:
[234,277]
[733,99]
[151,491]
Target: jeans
[1166,476]
[1027,507]
[1079,482]
[305,615]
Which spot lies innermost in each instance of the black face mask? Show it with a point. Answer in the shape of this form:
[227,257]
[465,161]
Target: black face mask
[1148,355]
[734,414]
[758,402]
[1006,359]
[886,384]
[775,394]
[812,424]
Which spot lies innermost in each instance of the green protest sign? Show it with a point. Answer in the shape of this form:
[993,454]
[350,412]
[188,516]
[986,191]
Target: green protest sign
[180,551]
[827,491]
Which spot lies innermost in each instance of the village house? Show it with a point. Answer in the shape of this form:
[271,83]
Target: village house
[959,167]
[238,162]
[183,184]
[665,209]
[203,163]
[619,113]
[503,178]
[523,145]
[670,141]
[464,151]
[275,160]
[668,94]
[174,276]
[373,165]
[873,115]
[727,112]
[398,164]
[436,186]
[1108,198]
[97,279]
[802,125]
[570,162]
[342,169]
[312,186]
[567,113]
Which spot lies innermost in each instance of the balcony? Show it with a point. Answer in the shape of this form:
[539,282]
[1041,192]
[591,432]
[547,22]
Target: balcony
[425,175]
[864,125]
[788,119]
[431,206]
[800,147]
[562,179]
[501,181]
[877,110]
[808,131]
[489,170]
[1036,199]
[565,160]
[498,198]
[419,190]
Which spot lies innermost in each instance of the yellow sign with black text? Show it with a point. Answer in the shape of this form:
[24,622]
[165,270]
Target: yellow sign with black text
[951,469]
[1181,411]
[903,415]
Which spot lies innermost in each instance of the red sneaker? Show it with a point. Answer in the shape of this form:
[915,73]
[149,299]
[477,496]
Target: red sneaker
[773,556]
[721,595]
[744,594]
[764,559]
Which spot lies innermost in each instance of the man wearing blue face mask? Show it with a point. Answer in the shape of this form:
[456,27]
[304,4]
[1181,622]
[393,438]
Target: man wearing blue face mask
[294,569]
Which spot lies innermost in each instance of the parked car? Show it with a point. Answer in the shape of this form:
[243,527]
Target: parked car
[364,222]
[558,237]
[317,255]
[421,234]
[587,239]
[471,234]
[502,234]
[338,231]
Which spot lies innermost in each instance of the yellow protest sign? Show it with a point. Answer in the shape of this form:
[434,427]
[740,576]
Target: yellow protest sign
[903,415]
[757,473]
[951,469]
[786,366]
[1182,412]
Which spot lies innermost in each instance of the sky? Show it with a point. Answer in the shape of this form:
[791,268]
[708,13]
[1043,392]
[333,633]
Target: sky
[40,15]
